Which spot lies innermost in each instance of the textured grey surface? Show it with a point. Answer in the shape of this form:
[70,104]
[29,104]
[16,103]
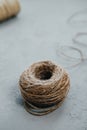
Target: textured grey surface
[34,36]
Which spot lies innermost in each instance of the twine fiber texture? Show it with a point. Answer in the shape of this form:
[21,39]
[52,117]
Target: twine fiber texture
[8,8]
[44,86]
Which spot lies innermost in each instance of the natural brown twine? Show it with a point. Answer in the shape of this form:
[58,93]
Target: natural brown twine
[8,8]
[79,35]
[44,87]
[62,53]
[71,20]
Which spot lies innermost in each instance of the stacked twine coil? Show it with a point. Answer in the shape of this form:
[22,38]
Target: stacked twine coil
[8,8]
[44,86]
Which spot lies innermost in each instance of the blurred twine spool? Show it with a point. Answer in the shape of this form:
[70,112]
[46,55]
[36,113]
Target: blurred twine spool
[44,87]
[8,8]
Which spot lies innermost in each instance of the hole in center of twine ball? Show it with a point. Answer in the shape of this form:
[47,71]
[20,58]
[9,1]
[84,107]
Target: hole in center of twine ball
[45,75]
[44,72]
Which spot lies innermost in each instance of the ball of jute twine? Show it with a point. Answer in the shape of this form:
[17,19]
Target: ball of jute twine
[44,86]
[8,8]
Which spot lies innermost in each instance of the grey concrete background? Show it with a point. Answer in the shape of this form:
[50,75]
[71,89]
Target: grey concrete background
[34,36]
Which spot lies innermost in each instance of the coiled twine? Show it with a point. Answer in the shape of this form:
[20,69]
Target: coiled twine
[8,8]
[44,86]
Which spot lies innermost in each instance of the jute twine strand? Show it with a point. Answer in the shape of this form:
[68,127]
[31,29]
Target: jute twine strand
[44,87]
[79,35]
[62,53]
[8,8]
[71,20]
[75,15]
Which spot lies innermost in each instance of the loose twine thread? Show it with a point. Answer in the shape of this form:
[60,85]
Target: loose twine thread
[62,53]
[77,36]
[71,21]
[44,87]
[75,40]
[8,8]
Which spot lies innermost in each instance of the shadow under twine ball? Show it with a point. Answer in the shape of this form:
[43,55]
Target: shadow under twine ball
[8,9]
[44,86]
